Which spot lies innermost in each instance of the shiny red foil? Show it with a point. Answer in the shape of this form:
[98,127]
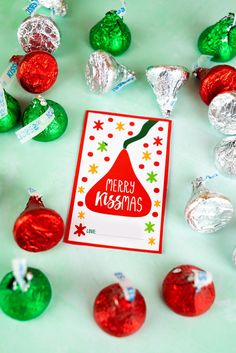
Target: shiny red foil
[181,296]
[38,228]
[219,79]
[37,71]
[117,316]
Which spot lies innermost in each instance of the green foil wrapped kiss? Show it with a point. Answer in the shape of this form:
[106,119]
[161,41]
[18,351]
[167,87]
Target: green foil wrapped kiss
[56,128]
[25,305]
[13,116]
[111,34]
[219,40]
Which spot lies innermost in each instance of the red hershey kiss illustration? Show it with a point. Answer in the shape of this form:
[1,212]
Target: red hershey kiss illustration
[218,79]
[119,192]
[38,228]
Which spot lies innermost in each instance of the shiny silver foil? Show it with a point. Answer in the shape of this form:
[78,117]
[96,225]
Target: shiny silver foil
[104,73]
[225,156]
[234,256]
[207,211]
[39,33]
[59,7]
[222,113]
[166,82]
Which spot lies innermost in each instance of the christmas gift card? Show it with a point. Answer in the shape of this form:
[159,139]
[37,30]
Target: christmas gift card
[119,193]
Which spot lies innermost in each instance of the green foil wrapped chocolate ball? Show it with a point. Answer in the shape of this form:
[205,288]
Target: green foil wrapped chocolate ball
[111,34]
[219,40]
[56,128]
[28,304]
[13,116]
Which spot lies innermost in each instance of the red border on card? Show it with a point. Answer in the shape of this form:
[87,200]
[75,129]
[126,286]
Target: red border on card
[68,224]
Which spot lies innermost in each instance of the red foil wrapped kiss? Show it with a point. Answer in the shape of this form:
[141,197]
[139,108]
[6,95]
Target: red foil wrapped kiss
[38,228]
[37,71]
[183,296]
[115,314]
[218,79]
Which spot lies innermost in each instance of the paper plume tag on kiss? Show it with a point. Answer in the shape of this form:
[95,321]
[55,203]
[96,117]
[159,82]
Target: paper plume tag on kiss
[119,193]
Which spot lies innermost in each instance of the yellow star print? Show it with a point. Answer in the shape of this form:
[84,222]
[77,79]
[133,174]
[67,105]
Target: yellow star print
[157,203]
[120,126]
[93,168]
[81,189]
[146,155]
[152,241]
[81,215]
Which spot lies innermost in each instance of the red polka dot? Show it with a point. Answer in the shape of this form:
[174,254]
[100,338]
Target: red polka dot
[106,159]
[156,190]
[160,128]
[84,179]
[132,123]
[141,166]
[90,154]
[91,137]
[156,164]
[110,120]
[155,214]
[130,133]
[145,145]
[110,136]
[80,203]
[159,152]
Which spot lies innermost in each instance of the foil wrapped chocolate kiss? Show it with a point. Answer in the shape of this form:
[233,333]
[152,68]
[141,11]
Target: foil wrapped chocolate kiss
[58,7]
[38,228]
[39,33]
[225,156]
[207,211]
[166,82]
[104,73]
[222,112]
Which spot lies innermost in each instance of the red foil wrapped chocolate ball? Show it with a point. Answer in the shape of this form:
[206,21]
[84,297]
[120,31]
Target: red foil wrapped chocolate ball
[115,314]
[218,79]
[37,71]
[185,293]
[38,228]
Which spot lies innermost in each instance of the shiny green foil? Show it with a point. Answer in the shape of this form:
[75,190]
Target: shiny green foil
[111,34]
[13,116]
[56,128]
[219,40]
[29,304]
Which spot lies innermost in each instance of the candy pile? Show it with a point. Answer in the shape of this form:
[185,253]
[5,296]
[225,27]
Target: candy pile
[119,309]
[36,72]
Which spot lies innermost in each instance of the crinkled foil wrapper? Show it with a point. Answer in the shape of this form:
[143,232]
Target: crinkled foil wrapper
[225,156]
[103,72]
[39,33]
[166,82]
[59,6]
[207,211]
[234,256]
[222,113]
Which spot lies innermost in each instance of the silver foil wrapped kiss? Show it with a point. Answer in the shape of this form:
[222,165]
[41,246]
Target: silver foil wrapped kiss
[222,113]
[104,73]
[166,82]
[39,33]
[225,156]
[207,211]
[58,7]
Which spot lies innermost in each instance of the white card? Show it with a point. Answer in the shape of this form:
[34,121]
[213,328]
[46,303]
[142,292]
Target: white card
[119,193]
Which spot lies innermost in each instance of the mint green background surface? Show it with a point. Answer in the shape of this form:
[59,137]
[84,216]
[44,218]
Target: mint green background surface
[164,32]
